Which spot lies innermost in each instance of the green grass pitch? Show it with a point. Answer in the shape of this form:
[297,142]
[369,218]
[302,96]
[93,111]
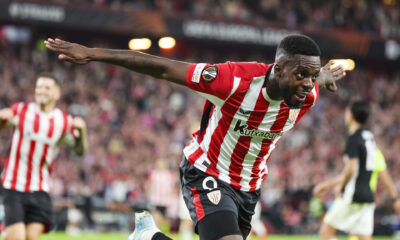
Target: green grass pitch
[122,236]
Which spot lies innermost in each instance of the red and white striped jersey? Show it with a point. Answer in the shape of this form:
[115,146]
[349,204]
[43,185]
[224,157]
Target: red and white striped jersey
[241,124]
[35,143]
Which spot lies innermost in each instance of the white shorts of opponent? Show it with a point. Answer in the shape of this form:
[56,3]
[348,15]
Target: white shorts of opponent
[352,218]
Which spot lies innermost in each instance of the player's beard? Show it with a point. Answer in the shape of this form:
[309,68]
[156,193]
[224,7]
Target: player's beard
[288,94]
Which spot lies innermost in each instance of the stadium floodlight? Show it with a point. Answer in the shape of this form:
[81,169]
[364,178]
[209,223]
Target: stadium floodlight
[347,64]
[139,44]
[166,42]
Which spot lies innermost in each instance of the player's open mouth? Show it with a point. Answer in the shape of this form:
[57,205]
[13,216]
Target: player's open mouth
[300,96]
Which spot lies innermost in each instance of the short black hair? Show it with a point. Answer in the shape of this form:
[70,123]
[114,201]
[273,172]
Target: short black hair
[360,110]
[51,76]
[299,44]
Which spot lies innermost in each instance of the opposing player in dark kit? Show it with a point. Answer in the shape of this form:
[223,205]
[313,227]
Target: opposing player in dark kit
[249,107]
[353,209]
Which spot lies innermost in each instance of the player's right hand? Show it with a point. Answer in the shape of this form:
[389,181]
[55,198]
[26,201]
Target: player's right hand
[71,52]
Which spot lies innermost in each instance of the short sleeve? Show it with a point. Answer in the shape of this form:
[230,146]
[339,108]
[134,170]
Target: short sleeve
[351,150]
[220,81]
[16,109]
[214,81]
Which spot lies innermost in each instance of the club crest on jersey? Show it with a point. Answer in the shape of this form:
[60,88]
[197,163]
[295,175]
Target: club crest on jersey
[214,196]
[209,74]
[293,114]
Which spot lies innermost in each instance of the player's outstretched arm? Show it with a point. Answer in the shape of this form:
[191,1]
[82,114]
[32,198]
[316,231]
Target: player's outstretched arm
[328,76]
[6,114]
[81,144]
[171,70]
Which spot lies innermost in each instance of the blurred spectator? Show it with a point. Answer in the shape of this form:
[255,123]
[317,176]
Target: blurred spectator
[375,17]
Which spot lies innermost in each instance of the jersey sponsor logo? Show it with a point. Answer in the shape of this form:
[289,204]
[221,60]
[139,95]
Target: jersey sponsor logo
[243,130]
[214,196]
[244,112]
[209,74]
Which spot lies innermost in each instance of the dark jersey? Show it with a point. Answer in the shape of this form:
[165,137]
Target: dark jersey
[361,145]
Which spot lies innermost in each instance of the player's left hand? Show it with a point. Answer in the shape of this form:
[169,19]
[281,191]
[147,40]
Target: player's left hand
[329,76]
[78,123]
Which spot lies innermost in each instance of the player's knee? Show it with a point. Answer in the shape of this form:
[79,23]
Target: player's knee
[35,237]
[363,237]
[323,231]
[327,233]
[14,236]
[15,232]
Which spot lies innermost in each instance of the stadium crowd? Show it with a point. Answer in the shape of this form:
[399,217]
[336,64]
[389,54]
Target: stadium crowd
[134,121]
[374,17]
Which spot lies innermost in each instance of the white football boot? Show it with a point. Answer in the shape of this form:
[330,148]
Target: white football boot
[145,227]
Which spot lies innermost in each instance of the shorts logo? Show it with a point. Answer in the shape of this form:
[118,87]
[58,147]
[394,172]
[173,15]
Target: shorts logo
[214,196]
[209,74]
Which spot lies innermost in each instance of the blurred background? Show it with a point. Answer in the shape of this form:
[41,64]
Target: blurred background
[137,125]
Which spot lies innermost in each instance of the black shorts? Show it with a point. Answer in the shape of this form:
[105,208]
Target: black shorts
[205,195]
[27,208]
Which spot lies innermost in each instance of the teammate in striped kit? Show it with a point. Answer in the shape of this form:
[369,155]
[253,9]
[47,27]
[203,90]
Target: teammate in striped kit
[353,209]
[39,129]
[249,107]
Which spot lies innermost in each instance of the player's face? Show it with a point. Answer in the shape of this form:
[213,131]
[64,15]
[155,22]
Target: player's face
[298,78]
[46,91]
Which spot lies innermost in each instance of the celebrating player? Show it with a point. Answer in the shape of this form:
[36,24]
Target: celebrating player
[39,128]
[249,107]
[353,209]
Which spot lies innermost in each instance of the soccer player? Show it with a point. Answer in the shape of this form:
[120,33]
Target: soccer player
[39,129]
[353,209]
[249,107]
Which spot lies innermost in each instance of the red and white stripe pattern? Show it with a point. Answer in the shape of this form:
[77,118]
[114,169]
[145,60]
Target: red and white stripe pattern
[34,145]
[244,126]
